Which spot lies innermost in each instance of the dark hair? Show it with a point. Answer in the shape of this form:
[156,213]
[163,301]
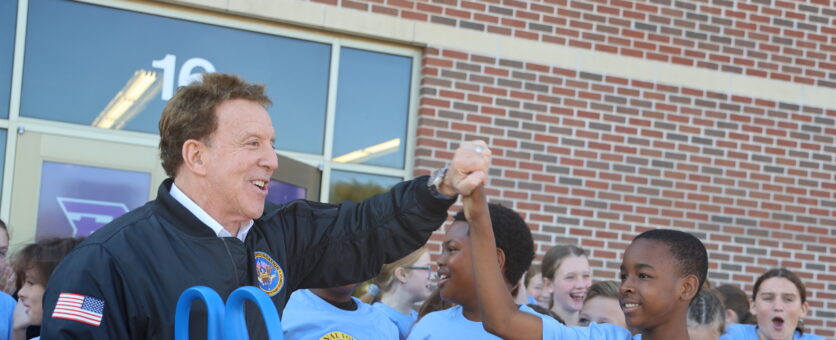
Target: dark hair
[513,237]
[686,249]
[607,289]
[735,299]
[706,310]
[42,257]
[786,274]
[554,258]
[190,114]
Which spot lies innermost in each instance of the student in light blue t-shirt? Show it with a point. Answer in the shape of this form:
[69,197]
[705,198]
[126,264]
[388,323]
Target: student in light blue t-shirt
[332,313]
[661,272]
[7,307]
[779,303]
[457,283]
[399,286]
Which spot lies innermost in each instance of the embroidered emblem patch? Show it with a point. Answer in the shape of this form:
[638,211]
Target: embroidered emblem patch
[337,336]
[270,275]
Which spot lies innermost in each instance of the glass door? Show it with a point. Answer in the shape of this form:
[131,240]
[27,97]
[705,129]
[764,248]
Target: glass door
[70,186]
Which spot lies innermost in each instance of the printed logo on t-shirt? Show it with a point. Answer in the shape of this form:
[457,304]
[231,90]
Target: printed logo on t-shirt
[270,275]
[337,336]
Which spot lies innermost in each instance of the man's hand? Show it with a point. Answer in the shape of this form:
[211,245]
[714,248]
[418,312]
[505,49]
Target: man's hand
[468,169]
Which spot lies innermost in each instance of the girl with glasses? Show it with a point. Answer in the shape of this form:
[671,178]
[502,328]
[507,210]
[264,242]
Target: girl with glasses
[400,285]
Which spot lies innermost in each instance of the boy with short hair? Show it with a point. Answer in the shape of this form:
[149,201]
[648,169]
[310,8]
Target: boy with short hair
[661,272]
[513,252]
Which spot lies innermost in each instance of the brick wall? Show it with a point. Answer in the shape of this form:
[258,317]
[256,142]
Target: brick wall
[785,40]
[593,160]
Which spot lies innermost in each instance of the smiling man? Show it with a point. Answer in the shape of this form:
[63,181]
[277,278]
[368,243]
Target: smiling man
[210,225]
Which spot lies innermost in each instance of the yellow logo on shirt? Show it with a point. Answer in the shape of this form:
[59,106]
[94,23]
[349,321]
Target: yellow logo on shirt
[337,336]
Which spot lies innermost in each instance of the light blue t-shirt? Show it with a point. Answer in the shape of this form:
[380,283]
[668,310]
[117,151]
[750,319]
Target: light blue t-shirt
[7,309]
[451,324]
[309,317]
[746,332]
[553,330]
[403,321]
[531,300]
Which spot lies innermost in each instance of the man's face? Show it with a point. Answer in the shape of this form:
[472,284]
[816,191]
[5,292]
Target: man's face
[239,160]
[455,270]
[650,284]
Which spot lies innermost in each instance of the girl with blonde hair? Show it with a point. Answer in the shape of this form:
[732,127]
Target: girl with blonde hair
[399,286]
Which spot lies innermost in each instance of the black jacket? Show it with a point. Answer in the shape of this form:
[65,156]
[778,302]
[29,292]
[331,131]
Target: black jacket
[140,263]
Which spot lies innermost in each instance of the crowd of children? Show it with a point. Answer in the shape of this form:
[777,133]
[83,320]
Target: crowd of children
[485,261]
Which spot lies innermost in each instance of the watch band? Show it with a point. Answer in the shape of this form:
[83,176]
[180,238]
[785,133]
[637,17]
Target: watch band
[435,181]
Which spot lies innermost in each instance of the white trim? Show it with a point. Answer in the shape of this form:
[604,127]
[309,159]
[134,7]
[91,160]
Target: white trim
[88,132]
[385,27]
[412,120]
[330,118]
[14,110]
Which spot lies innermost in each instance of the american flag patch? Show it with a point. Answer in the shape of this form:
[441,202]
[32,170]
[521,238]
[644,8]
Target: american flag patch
[79,308]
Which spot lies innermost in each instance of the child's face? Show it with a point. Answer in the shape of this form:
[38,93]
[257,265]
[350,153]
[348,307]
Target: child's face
[570,283]
[778,308]
[419,281]
[602,309]
[455,270]
[650,284]
[31,295]
[535,289]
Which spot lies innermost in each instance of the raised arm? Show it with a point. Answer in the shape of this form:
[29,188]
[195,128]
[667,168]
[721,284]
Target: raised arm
[500,315]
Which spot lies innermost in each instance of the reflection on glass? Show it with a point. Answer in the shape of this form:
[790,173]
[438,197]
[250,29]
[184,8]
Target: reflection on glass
[355,187]
[359,156]
[372,106]
[129,101]
[76,200]
[279,192]
[105,49]
[8,12]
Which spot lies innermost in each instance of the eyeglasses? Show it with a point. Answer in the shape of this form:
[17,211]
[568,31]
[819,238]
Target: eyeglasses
[431,270]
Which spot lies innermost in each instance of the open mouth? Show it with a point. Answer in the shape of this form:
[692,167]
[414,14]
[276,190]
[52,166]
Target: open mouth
[629,307]
[577,297]
[778,323]
[442,279]
[260,184]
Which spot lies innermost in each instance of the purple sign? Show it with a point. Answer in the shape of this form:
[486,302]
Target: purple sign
[280,192]
[76,200]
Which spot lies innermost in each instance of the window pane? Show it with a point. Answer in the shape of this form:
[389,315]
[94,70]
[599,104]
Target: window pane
[355,187]
[76,200]
[372,108]
[107,48]
[8,12]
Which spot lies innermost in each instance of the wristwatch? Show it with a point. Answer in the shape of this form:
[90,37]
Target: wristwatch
[435,181]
